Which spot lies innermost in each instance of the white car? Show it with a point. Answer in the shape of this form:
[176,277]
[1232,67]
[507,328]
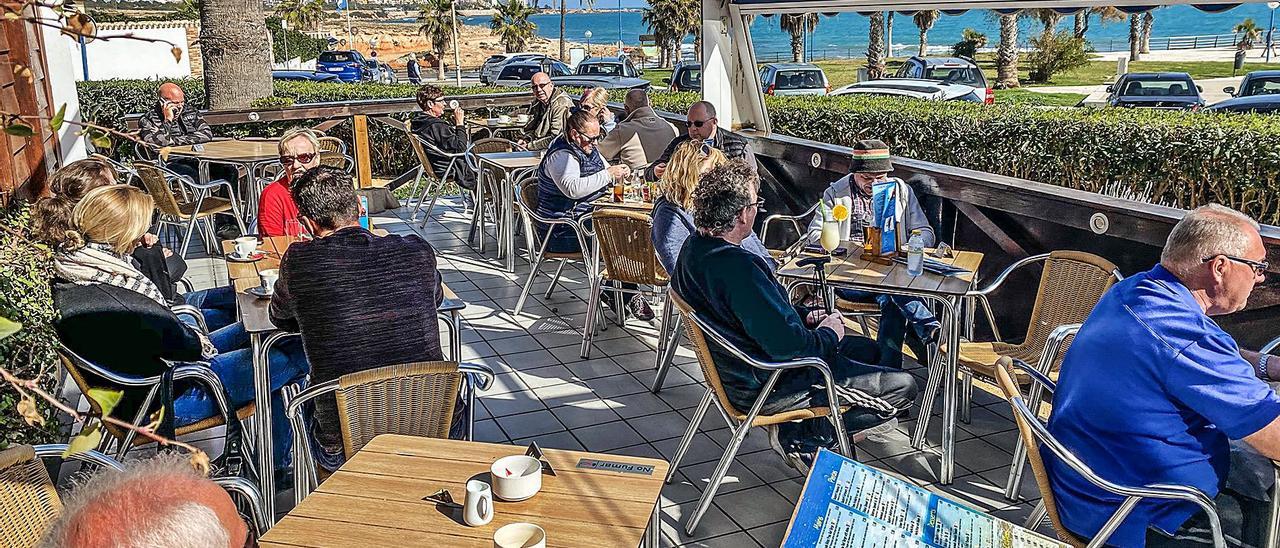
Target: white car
[929,90]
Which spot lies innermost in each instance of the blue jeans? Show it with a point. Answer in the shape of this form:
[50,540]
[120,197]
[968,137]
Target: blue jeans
[217,304]
[234,367]
[897,312]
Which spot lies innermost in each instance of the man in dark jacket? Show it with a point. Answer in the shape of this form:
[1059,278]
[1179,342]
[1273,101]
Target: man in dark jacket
[735,291]
[448,136]
[702,125]
[360,301]
[548,113]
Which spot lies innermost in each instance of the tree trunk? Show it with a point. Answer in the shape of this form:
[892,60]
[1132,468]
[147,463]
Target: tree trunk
[875,47]
[236,52]
[1148,21]
[924,41]
[1082,23]
[797,45]
[440,66]
[1135,37]
[563,51]
[1007,53]
[888,34]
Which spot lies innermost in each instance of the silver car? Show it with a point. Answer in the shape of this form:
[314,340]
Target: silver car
[793,79]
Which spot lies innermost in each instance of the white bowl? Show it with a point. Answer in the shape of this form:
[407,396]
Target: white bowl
[520,535]
[516,477]
[504,119]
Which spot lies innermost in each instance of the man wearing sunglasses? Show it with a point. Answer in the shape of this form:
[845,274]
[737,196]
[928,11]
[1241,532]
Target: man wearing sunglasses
[702,125]
[277,212]
[1153,391]
[547,113]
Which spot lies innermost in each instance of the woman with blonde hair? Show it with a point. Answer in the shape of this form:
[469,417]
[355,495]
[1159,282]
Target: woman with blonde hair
[596,101]
[672,220]
[112,315]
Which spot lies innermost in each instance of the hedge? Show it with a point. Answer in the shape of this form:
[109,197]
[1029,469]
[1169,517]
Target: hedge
[1178,159]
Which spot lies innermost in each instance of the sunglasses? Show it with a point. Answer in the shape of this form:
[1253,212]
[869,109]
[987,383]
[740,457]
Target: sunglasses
[593,140]
[700,123]
[1258,267]
[540,86]
[301,158]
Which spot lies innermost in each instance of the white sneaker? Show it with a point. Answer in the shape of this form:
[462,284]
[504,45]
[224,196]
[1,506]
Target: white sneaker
[799,461]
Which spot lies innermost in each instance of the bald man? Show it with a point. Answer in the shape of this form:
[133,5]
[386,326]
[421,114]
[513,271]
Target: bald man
[547,113]
[159,501]
[171,123]
[640,137]
[703,126]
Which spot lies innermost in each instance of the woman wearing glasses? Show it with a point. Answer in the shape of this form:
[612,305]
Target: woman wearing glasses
[277,214]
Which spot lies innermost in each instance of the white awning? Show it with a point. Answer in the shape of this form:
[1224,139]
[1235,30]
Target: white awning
[1067,6]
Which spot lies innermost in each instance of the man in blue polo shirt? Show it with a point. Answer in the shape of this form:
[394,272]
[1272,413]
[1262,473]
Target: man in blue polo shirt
[1152,389]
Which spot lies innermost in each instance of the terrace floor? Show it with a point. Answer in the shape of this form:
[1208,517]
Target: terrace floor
[544,392]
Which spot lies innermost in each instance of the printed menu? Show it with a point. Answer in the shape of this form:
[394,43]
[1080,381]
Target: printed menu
[846,504]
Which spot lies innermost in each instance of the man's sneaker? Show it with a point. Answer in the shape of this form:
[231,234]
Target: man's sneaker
[640,308]
[876,433]
[795,459]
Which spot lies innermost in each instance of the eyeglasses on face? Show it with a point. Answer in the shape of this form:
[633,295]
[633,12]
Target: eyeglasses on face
[700,123]
[542,85]
[303,158]
[592,139]
[1258,267]
[758,204]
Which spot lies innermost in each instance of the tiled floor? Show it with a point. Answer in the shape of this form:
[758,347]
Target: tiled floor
[545,392]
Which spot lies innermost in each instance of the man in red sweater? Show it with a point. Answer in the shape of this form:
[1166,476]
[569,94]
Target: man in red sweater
[277,213]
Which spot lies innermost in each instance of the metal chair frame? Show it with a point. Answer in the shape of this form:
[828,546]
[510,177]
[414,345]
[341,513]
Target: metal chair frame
[471,162]
[199,192]
[425,169]
[599,277]
[530,216]
[476,377]
[1133,495]
[333,145]
[127,172]
[741,427]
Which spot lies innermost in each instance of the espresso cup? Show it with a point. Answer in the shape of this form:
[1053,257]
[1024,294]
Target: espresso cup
[246,245]
[453,104]
[520,535]
[516,477]
[268,278]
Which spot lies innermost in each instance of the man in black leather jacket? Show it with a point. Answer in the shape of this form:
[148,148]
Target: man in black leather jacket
[702,125]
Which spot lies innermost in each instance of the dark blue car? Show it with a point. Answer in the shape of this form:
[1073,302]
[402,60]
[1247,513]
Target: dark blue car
[304,76]
[1159,90]
[348,65]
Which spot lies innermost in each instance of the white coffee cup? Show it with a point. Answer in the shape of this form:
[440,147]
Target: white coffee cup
[453,104]
[520,535]
[504,119]
[516,477]
[246,245]
[268,278]
[523,118]
[477,510]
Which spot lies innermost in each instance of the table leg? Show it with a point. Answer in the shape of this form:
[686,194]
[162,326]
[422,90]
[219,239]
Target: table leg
[508,220]
[949,395]
[262,399]
[479,221]
[455,345]
[654,534]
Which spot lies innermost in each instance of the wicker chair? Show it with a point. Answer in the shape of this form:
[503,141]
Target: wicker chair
[425,170]
[414,399]
[191,206]
[624,243]
[333,153]
[82,371]
[526,192]
[491,189]
[699,334]
[1036,438]
[1070,286]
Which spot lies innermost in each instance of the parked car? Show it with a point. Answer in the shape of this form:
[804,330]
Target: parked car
[606,82]
[380,72]
[491,70]
[793,79]
[1258,82]
[685,76]
[1256,104]
[304,76]
[928,90]
[608,66]
[1162,90]
[348,65]
[518,74]
[949,70]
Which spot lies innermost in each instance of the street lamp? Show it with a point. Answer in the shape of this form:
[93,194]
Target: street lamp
[1271,28]
[588,35]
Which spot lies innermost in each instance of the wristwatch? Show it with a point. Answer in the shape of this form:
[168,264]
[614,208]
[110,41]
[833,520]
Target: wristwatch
[1262,366]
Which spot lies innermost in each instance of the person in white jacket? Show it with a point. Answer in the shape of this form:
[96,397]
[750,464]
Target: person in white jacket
[869,167]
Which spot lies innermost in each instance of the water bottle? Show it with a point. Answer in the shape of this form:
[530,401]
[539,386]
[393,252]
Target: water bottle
[915,254]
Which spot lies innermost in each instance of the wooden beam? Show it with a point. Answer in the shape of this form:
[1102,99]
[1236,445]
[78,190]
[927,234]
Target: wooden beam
[364,169]
[991,229]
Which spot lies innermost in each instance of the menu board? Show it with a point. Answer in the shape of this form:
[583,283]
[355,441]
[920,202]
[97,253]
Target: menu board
[847,504]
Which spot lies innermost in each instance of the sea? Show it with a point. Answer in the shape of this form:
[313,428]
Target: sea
[845,34]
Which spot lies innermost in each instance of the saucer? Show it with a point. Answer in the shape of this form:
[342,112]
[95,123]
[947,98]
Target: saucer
[260,293]
[257,255]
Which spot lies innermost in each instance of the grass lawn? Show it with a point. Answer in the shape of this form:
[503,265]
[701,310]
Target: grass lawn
[1027,97]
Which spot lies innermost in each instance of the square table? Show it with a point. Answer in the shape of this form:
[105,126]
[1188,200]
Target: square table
[251,154]
[375,499]
[513,165]
[947,292]
[255,316]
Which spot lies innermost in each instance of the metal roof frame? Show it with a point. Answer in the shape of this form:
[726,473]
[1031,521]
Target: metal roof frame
[760,7]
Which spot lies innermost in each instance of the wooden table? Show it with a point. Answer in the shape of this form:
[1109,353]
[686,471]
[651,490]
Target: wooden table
[629,205]
[375,499]
[947,292]
[251,154]
[513,165]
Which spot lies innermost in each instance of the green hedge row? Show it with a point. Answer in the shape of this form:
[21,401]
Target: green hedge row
[1174,158]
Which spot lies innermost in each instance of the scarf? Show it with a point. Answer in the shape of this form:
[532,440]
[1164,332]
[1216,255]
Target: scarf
[96,263]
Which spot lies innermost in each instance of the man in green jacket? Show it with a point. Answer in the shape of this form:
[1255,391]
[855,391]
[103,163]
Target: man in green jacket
[547,113]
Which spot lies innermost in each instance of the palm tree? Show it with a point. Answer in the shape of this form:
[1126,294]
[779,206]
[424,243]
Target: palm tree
[1007,52]
[875,46]
[589,5]
[1081,23]
[236,51]
[796,24]
[437,24]
[301,14]
[1048,17]
[1148,21]
[924,20]
[511,23]
[1135,37]
[1249,33]
[670,21]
